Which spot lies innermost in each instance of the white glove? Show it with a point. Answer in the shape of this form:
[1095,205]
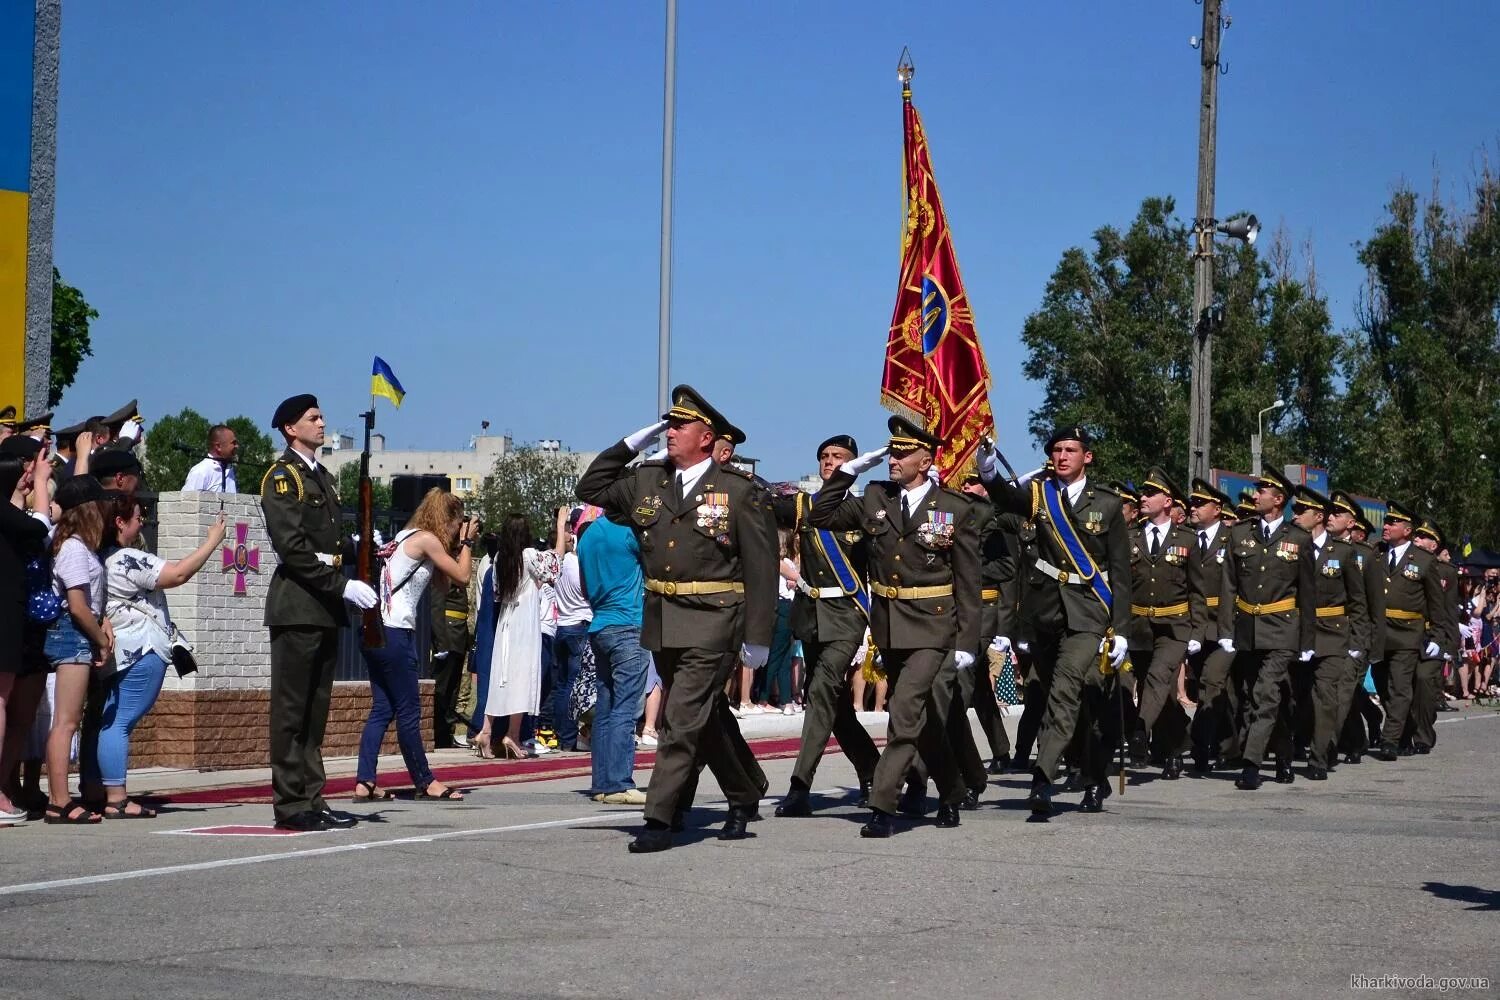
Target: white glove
[1194,647]
[1354,654]
[1227,645]
[130,431]
[1431,651]
[1305,656]
[1023,647]
[754,656]
[360,594]
[984,459]
[1117,650]
[865,462]
[963,659]
[657,455]
[1466,631]
[645,436]
[1000,644]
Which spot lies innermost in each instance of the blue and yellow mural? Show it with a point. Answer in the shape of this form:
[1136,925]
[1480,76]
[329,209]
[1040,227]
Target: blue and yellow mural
[17,44]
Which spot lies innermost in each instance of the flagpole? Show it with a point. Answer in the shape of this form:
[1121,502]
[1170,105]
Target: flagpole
[668,142]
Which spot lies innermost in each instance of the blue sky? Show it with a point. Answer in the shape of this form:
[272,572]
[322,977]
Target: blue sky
[258,198]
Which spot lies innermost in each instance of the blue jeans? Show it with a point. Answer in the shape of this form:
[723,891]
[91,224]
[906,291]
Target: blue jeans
[104,752]
[621,665]
[393,694]
[567,660]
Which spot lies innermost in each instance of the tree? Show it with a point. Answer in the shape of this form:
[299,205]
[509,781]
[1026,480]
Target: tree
[1111,345]
[174,444]
[530,482]
[70,336]
[380,493]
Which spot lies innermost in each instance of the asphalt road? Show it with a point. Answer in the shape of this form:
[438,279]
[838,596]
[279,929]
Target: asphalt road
[1180,889]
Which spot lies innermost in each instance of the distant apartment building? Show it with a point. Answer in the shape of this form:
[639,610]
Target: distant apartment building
[466,468]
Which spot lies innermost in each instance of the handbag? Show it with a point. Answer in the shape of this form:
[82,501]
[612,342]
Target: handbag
[585,690]
[43,606]
[179,649]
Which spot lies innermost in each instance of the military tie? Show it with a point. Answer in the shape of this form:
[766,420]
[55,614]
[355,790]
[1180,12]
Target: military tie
[905,512]
[1202,541]
[677,490]
[1155,541]
[1391,562]
[1265,532]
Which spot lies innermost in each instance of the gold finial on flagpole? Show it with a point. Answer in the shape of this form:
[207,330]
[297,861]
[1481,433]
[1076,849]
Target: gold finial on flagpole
[905,70]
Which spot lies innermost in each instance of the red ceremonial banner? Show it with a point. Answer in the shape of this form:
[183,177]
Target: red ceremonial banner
[935,372]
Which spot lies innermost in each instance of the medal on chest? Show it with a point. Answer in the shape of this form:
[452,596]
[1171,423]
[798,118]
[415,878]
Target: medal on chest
[937,529]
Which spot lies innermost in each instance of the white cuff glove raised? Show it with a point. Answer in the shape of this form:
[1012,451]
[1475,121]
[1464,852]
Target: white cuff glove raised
[1117,650]
[1354,654]
[130,431]
[984,459]
[1194,647]
[1023,647]
[1227,645]
[1431,651]
[645,436]
[1305,656]
[963,659]
[360,594]
[1000,644]
[657,455]
[754,656]
[864,463]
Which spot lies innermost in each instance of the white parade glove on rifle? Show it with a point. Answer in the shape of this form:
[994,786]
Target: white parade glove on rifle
[1227,645]
[1117,649]
[360,594]
[963,659]
[984,459]
[864,463]
[1431,651]
[1305,656]
[645,436]
[1194,647]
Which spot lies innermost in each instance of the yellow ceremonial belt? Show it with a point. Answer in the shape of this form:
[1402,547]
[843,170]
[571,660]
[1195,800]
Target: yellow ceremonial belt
[1332,611]
[1213,602]
[1276,607]
[672,588]
[457,615]
[989,594]
[1396,614]
[910,593]
[1166,611]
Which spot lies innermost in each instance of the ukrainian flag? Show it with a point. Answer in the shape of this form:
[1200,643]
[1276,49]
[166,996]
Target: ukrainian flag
[383,382]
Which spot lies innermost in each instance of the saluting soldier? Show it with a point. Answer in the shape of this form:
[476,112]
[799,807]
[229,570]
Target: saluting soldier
[1345,522]
[1427,685]
[1413,623]
[1342,633]
[1079,582]
[830,613]
[1166,610]
[1269,572]
[305,611]
[924,583]
[1215,728]
[708,549]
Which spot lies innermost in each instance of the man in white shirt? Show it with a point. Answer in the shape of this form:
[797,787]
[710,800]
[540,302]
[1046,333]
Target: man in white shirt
[215,474]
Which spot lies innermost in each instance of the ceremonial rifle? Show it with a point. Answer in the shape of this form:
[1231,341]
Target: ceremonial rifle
[371,627]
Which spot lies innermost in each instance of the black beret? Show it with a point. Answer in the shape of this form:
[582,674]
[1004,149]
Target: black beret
[843,441]
[114,461]
[291,409]
[78,491]
[1069,433]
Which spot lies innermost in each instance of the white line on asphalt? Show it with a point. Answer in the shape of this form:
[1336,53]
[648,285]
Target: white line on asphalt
[64,883]
[1467,718]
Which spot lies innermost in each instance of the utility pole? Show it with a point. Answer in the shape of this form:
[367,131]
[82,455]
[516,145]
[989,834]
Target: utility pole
[668,142]
[1203,247]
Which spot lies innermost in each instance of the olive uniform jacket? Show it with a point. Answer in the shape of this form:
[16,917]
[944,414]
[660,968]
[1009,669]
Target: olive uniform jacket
[1448,577]
[1010,619]
[450,618]
[1373,568]
[938,548]
[1207,573]
[302,517]
[1164,599]
[720,533]
[1260,573]
[997,571]
[1414,601]
[817,616]
[1047,605]
[1340,584]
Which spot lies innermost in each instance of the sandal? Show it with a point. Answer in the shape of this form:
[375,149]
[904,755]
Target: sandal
[372,793]
[74,812]
[120,810]
[450,793]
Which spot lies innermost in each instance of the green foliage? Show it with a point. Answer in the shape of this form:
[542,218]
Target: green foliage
[528,481]
[167,465]
[380,492]
[70,336]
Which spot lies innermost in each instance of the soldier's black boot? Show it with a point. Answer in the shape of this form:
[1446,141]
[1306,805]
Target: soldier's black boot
[1139,750]
[1040,799]
[1317,773]
[971,799]
[1351,758]
[796,802]
[1173,769]
[1094,796]
[1000,764]
[1383,751]
[652,838]
[864,793]
[947,817]
[1249,779]
[913,802]
[878,827]
[1284,775]
[735,824]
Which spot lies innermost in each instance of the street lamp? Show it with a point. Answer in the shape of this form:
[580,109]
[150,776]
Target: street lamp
[1255,438]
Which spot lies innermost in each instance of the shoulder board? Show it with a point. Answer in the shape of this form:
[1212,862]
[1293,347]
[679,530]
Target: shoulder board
[283,479]
[736,471]
[1107,490]
[660,463]
[960,494]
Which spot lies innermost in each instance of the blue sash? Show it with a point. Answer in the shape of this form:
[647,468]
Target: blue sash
[838,560]
[1067,536]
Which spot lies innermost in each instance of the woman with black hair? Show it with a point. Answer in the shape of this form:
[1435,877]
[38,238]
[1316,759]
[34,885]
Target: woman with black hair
[22,539]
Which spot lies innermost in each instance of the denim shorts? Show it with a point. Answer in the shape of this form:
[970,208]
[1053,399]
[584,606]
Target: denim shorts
[65,644]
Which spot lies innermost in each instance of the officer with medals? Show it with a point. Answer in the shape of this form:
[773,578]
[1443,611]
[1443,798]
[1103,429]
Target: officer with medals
[1414,623]
[1269,574]
[1078,575]
[1166,613]
[1345,521]
[830,612]
[708,550]
[304,611]
[1342,633]
[924,581]
[1216,720]
[1427,685]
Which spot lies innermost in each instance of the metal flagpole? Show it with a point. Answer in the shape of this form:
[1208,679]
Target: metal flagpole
[668,141]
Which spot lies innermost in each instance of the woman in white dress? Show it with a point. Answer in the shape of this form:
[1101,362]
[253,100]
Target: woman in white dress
[515,688]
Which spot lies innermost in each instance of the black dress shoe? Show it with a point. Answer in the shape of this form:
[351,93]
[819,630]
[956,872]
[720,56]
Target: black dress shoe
[302,822]
[1316,773]
[1422,750]
[735,824]
[878,827]
[1094,796]
[864,793]
[1249,779]
[913,802]
[1407,751]
[1173,769]
[970,800]
[1000,764]
[1284,775]
[1352,758]
[652,838]
[1139,753]
[796,803]
[1201,768]
[1040,799]
[337,821]
[1383,751]
[947,817]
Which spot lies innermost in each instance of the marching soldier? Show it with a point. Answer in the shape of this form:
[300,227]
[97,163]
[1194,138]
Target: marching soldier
[304,611]
[1427,686]
[997,573]
[1166,611]
[924,614]
[1269,574]
[1414,624]
[1079,581]
[1215,723]
[709,553]
[1346,523]
[1342,633]
[829,615]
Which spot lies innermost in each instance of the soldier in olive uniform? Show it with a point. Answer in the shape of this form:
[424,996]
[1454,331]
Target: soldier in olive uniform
[450,648]
[924,614]
[1344,520]
[1427,684]
[304,610]
[1080,618]
[1166,611]
[1215,722]
[1269,576]
[1342,632]
[1414,623]
[708,549]
[829,615]
[997,572]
